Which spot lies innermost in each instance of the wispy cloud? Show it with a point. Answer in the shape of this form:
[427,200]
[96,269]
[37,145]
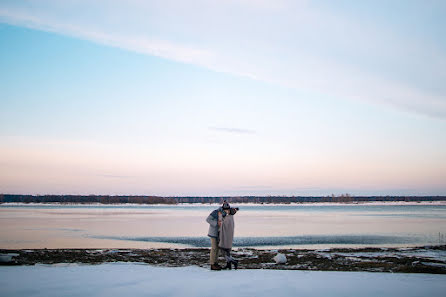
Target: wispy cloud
[254,187]
[128,41]
[290,43]
[233,130]
[115,176]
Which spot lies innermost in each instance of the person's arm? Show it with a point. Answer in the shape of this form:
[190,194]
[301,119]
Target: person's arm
[212,221]
[220,218]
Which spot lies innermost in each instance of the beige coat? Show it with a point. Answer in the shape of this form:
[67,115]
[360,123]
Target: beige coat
[226,232]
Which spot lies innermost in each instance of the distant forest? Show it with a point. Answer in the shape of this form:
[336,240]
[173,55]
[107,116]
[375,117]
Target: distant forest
[104,199]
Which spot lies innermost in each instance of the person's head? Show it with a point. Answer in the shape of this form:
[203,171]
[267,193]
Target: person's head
[233,211]
[226,207]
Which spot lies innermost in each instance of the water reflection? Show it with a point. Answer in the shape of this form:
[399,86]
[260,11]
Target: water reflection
[134,226]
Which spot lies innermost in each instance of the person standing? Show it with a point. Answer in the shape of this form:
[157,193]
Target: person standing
[214,220]
[226,235]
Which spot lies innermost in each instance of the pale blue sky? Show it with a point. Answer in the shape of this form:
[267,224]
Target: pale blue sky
[243,97]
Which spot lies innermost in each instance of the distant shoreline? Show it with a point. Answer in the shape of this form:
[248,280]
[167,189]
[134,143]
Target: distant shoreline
[370,203]
[186,200]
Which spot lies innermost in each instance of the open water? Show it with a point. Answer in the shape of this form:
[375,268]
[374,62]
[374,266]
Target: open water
[258,226]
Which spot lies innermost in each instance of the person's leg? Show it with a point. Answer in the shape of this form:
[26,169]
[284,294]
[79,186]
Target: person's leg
[227,253]
[230,260]
[214,253]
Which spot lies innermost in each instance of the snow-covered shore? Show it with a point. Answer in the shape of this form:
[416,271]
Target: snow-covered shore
[130,279]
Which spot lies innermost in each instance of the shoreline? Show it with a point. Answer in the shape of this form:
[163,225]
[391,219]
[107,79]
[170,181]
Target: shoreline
[424,259]
[376,203]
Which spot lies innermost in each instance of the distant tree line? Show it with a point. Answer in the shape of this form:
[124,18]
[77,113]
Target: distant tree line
[105,199]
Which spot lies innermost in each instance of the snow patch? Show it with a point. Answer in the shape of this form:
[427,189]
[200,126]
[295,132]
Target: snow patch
[6,258]
[280,258]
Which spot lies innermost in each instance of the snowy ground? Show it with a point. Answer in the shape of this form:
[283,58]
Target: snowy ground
[130,279]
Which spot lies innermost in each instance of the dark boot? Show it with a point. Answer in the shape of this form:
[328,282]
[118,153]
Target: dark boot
[228,266]
[215,267]
[235,263]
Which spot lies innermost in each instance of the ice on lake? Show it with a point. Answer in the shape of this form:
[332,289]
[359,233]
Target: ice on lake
[148,226]
[123,279]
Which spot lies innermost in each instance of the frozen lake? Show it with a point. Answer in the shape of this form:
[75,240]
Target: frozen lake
[260,226]
[123,279]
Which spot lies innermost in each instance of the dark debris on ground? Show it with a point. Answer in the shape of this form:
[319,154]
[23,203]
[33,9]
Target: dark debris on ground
[428,259]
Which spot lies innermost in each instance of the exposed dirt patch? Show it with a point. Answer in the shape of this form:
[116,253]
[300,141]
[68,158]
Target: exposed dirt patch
[408,260]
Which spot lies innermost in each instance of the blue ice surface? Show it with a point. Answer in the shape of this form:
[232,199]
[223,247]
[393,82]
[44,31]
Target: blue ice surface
[369,208]
[204,241]
[129,279]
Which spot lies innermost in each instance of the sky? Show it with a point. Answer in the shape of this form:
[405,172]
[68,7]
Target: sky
[248,97]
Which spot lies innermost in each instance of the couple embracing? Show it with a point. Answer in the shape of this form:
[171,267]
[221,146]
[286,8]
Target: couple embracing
[221,232]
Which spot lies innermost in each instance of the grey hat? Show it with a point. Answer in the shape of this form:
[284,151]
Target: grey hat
[226,205]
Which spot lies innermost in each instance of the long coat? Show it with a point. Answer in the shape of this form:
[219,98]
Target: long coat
[226,232]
